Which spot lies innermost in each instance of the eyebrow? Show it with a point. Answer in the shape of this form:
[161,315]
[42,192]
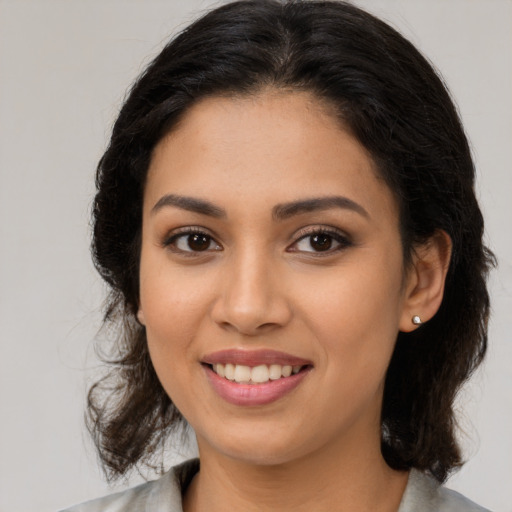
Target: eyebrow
[287,210]
[280,212]
[190,204]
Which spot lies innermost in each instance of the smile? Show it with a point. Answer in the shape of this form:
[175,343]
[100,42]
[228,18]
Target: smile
[256,375]
[251,378]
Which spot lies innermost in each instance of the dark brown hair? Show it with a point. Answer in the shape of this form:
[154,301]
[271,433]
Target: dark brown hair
[396,105]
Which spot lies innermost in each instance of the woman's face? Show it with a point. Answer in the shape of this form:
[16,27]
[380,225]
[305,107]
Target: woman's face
[270,245]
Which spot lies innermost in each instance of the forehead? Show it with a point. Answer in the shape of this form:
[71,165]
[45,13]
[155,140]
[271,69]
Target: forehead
[274,145]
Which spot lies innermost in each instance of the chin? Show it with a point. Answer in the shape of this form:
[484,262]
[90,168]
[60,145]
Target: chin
[258,457]
[264,448]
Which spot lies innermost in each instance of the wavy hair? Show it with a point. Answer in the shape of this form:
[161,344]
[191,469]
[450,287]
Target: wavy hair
[398,108]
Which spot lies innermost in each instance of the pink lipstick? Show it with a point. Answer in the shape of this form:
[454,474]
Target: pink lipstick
[257,377]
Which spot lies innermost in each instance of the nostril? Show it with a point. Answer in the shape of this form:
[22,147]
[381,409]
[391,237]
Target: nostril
[228,326]
[265,327]
[250,329]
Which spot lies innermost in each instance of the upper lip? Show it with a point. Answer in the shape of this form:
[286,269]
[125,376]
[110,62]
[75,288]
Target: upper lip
[254,358]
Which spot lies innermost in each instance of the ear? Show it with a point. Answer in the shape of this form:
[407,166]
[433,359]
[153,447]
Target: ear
[140,316]
[425,280]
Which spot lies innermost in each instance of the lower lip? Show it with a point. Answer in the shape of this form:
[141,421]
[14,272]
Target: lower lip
[254,394]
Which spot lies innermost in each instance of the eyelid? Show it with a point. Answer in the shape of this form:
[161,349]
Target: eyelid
[170,237]
[339,236]
[188,229]
[318,228]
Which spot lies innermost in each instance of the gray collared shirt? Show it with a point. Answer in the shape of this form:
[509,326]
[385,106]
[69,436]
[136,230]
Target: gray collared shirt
[422,494]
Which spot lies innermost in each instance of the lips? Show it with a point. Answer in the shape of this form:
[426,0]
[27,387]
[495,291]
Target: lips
[254,377]
[254,358]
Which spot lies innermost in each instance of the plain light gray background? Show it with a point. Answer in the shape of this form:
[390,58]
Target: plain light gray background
[64,67]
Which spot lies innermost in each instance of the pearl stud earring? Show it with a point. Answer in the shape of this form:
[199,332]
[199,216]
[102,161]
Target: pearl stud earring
[416,320]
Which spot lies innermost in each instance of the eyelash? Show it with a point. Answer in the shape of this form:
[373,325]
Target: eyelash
[170,242]
[338,237]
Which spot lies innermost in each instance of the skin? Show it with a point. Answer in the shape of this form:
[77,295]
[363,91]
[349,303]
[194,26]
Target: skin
[261,284]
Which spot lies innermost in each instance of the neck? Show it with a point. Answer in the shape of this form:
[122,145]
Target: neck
[329,480]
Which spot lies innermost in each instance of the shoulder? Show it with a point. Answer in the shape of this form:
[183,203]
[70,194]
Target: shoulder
[162,495]
[134,499]
[424,494]
[452,500]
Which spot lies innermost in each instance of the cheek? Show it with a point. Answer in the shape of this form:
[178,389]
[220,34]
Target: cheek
[352,298]
[170,297]
[355,316]
[172,320]
[174,306]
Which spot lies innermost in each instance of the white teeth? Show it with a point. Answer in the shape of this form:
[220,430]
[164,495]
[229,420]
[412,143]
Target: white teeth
[275,371]
[286,371]
[229,371]
[255,375]
[219,369]
[242,373]
[260,373]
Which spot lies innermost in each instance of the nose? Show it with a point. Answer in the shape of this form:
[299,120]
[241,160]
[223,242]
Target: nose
[251,298]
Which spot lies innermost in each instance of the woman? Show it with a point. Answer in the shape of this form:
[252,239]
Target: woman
[286,217]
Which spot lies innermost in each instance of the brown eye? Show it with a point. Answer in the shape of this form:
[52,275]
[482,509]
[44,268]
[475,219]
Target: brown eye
[321,242]
[198,242]
[192,242]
